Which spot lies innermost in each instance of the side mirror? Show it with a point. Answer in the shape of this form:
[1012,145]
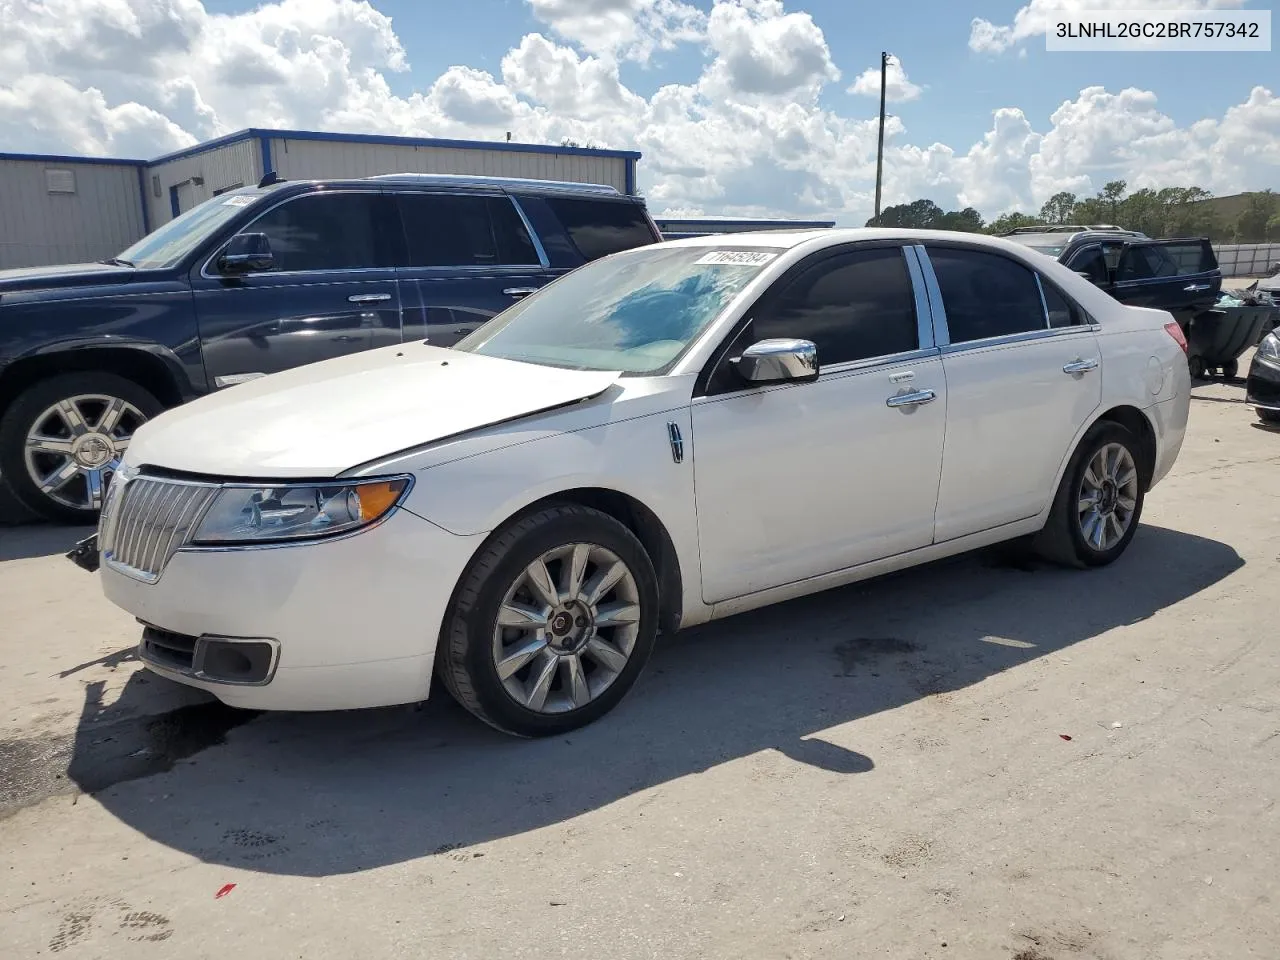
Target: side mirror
[246,253]
[779,361]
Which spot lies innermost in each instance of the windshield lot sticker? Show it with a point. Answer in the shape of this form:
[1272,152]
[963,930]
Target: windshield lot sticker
[238,201]
[737,258]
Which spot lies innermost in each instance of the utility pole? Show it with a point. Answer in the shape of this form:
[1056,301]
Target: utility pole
[884,69]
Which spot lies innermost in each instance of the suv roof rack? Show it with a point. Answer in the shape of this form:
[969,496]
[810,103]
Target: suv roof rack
[509,183]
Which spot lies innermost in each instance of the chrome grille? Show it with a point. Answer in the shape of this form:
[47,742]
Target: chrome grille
[148,520]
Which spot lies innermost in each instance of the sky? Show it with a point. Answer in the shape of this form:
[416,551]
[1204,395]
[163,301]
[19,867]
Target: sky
[739,107]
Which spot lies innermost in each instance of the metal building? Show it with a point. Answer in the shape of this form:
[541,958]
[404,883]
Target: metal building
[57,209]
[673,228]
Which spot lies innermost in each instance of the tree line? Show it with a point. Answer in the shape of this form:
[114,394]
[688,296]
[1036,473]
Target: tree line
[1168,212]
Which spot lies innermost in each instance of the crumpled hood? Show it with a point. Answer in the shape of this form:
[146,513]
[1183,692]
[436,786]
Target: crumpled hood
[321,419]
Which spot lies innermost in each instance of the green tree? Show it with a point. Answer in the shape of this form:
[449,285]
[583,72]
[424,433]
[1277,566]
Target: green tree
[1059,208]
[1111,194]
[1008,222]
[968,220]
[916,215]
[1252,224]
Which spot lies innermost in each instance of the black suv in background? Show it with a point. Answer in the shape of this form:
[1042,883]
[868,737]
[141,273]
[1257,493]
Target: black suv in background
[1181,276]
[260,279]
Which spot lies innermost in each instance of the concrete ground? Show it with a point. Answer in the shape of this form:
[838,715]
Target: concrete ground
[974,760]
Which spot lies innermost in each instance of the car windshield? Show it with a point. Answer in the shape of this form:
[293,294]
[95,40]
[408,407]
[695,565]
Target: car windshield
[635,312]
[166,246]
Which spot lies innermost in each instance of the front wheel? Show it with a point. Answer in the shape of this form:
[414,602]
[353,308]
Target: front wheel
[1267,416]
[62,439]
[1099,502]
[552,623]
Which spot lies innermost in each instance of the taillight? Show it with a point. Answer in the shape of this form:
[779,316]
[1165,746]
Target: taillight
[1175,331]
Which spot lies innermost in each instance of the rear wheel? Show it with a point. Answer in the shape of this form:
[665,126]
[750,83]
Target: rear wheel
[62,440]
[1267,416]
[552,623]
[1197,367]
[1099,502]
[1230,369]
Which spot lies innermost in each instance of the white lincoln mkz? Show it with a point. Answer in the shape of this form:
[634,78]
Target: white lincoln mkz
[666,436]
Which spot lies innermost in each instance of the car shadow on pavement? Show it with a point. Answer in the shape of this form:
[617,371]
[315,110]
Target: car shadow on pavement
[39,540]
[324,794]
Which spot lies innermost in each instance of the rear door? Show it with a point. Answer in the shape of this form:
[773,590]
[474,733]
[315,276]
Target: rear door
[332,290]
[469,257]
[1023,373]
[1180,276]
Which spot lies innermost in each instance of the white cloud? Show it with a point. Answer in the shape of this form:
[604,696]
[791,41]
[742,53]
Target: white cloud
[627,29]
[750,135]
[1032,19]
[897,88]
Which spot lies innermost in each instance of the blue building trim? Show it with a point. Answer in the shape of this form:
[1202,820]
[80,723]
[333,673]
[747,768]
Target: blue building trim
[59,158]
[630,182]
[174,207]
[142,196]
[265,143]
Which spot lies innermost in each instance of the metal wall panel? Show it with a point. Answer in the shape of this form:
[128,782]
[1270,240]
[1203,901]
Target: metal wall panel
[39,227]
[321,159]
[220,168]
[1247,259]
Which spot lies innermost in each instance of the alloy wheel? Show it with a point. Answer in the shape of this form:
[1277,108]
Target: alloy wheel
[75,446]
[566,628]
[1108,497]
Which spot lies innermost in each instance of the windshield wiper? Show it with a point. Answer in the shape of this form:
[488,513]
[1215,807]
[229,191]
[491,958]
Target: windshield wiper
[118,262]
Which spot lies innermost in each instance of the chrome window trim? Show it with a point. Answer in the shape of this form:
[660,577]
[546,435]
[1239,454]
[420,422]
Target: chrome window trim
[204,268]
[1012,339]
[926,335]
[941,330]
[1044,304]
[533,234]
[833,372]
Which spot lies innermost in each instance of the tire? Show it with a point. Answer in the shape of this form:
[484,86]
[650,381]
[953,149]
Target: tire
[1230,369]
[472,643]
[86,453]
[1063,539]
[1197,368]
[1267,416]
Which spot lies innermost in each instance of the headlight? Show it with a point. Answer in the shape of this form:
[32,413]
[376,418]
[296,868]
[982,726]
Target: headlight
[1269,348]
[288,512]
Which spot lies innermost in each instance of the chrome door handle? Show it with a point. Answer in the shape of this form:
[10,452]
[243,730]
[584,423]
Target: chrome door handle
[1196,287]
[1080,366]
[913,399]
[519,291]
[368,297]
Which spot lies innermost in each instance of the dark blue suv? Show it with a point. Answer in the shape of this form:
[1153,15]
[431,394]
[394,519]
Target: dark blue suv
[260,279]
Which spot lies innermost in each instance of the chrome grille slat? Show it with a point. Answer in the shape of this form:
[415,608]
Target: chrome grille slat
[153,520]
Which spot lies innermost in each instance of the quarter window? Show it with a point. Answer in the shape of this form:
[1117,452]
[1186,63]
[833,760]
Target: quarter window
[1062,312]
[338,231]
[601,227]
[853,306]
[464,231]
[986,295]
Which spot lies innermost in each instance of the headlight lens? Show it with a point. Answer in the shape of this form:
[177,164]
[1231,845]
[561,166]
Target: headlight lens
[1269,348]
[286,512]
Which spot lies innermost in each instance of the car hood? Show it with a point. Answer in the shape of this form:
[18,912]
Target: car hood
[322,419]
[63,275]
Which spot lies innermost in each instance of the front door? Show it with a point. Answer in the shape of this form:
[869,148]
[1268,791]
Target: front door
[470,257]
[794,481]
[332,290]
[1023,373]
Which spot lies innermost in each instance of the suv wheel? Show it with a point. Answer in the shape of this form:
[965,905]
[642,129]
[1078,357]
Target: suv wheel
[62,439]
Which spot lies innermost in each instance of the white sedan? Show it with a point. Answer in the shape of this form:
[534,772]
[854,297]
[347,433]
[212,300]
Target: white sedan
[670,435]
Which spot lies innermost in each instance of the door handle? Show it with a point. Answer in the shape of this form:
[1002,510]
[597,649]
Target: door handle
[1080,366]
[1196,287]
[913,399]
[368,297]
[519,291]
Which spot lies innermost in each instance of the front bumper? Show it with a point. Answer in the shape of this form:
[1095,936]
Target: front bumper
[1262,388]
[354,620]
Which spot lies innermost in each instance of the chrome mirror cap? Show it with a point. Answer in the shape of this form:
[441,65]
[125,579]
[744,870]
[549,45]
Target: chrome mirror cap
[774,361]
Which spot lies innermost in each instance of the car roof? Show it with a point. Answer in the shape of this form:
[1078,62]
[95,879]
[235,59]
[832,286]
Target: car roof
[786,239]
[523,185]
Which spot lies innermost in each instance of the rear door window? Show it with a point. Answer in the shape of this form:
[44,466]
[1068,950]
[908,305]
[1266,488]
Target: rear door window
[446,230]
[601,227]
[986,295]
[1166,259]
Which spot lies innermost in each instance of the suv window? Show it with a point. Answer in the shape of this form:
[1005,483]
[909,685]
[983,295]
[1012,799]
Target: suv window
[985,294]
[446,230]
[853,306]
[1161,260]
[601,227]
[335,231]
[1091,262]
